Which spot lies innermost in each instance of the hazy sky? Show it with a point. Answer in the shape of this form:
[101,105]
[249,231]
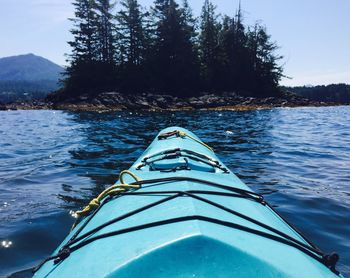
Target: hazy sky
[314,35]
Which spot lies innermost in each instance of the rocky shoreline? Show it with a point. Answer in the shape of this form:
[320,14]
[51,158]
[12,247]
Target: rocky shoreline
[114,101]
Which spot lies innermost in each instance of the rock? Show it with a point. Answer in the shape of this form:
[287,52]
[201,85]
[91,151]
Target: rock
[116,101]
[248,101]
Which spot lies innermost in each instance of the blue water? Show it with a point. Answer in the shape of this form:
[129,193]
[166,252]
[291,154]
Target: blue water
[53,162]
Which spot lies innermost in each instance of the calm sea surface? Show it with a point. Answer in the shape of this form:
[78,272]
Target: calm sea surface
[52,162]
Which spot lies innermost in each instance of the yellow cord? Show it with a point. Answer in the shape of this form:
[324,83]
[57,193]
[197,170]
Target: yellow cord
[127,172]
[184,134]
[112,190]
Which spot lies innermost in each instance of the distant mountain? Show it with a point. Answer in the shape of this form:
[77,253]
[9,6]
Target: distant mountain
[27,76]
[28,67]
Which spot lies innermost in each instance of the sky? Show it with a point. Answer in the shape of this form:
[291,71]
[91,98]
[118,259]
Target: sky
[313,35]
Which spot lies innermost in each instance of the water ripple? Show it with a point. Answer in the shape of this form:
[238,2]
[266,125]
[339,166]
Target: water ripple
[53,162]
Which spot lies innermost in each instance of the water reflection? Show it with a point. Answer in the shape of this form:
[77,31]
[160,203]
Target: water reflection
[6,243]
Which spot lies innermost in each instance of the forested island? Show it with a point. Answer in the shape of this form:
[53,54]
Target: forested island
[163,57]
[166,50]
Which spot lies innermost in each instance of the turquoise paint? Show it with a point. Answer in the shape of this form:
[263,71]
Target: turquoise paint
[187,249]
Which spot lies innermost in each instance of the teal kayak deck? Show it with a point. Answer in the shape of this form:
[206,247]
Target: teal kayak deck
[207,235]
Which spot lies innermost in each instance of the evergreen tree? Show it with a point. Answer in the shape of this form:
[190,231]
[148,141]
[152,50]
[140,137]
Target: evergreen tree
[227,48]
[175,60]
[81,71]
[105,32]
[105,67]
[85,43]
[131,32]
[240,66]
[209,46]
[190,21]
[132,44]
[267,71]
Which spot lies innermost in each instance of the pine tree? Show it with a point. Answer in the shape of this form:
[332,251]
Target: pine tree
[189,21]
[175,59]
[267,70]
[105,30]
[84,45]
[228,58]
[209,45]
[131,32]
[241,67]
[238,65]
[84,54]
[132,44]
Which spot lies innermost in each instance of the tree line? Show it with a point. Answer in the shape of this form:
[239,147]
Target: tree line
[338,93]
[17,90]
[166,49]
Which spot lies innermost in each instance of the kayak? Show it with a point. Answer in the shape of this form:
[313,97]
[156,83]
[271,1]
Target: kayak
[178,211]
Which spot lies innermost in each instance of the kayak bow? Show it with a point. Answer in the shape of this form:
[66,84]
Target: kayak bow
[179,212]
